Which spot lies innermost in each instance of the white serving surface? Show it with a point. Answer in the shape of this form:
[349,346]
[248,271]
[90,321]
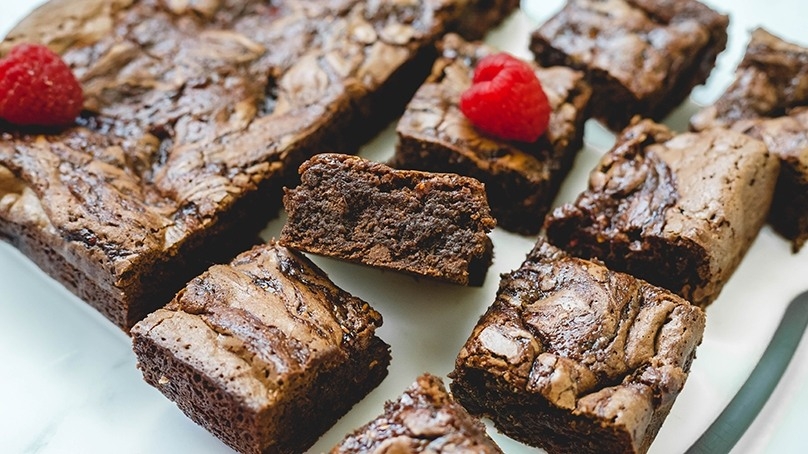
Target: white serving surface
[68,382]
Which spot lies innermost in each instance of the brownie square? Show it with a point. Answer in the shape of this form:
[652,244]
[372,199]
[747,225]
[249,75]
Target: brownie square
[424,419]
[521,179]
[769,100]
[195,116]
[642,57]
[266,353]
[678,211]
[573,357]
[426,224]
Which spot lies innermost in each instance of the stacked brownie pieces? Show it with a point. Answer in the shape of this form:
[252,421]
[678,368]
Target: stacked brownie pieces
[426,224]
[573,357]
[642,57]
[266,353]
[196,113]
[521,179]
[677,210]
[769,100]
[425,419]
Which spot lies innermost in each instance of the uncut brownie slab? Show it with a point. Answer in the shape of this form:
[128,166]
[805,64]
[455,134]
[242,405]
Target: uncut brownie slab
[642,57]
[194,114]
[266,353]
[679,211]
[573,357]
[521,179]
[426,224]
[424,419]
[769,100]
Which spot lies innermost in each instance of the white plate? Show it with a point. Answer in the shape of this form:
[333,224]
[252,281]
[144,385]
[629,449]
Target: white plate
[68,381]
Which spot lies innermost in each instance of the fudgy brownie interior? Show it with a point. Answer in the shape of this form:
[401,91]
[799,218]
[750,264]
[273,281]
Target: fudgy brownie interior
[426,224]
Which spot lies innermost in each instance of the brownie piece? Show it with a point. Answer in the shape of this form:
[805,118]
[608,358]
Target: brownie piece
[266,353]
[679,211]
[769,100]
[642,57]
[573,357]
[195,115]
[426,224]
[521,179]
[424,419]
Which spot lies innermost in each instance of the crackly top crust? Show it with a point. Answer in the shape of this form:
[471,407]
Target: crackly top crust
[261,324]
[643,44]
[425,418]
[768,98]
[600,344]
[189,106]
[705,194]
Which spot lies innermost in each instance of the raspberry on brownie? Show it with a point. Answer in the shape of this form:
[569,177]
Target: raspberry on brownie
[521,178]
[768,100]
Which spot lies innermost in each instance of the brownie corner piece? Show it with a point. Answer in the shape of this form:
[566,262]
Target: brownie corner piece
[424,419]
[426,224]
[765,101]
[573,357]
[642,57]
[521,179]
[266,353]
[677,210]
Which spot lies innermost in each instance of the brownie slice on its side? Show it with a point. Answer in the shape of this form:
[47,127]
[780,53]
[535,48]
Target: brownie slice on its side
[679,211]
[427,224]
[521,179]
[769,101]
[425,419]
[195,116]
[573,357]
[642,57]
[266,353]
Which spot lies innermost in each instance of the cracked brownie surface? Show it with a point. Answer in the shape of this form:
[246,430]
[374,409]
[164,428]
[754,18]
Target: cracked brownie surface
[642,57]
[425,418]
[769,100]
[521,179]
[426,224]
[679,211]
[266,353]
[195,113]
[573,357]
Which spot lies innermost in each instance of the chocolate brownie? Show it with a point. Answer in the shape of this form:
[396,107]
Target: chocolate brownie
[425,224]
[521,179]
[642,57]
[424,419]
[195,114]
[573,357]
[769,100]
[266,353]
[679,211]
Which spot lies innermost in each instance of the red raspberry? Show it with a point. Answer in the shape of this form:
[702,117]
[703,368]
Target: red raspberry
[506,99]
[38,88]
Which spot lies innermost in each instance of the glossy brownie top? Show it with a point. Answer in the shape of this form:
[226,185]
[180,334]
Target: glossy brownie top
[642,44]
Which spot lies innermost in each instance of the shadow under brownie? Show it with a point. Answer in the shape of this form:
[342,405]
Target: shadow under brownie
[642,57]
[521,179]
[677,210]
[196,114]
[769,100]
[573,357]
[266,353]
